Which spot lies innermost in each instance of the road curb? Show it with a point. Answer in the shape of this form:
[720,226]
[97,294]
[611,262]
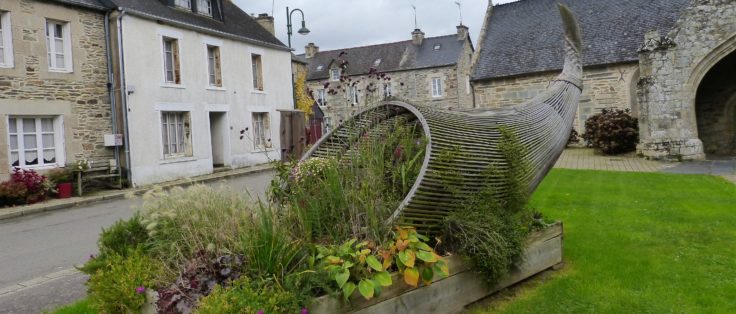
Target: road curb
[56,204]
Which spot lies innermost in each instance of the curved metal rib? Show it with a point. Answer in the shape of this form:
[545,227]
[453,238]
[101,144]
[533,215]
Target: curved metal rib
[542,125]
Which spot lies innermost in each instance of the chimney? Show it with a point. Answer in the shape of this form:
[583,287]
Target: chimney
[417,37]
[310,50]
[462,32]
[266,22]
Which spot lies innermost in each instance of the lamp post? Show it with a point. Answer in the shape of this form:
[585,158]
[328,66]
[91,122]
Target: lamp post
[304,30]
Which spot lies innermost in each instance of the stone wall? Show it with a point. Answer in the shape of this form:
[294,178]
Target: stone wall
[80,98]
[672,67]
[604,87]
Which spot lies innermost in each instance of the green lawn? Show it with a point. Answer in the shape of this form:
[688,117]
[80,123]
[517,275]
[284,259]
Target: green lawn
[635,243]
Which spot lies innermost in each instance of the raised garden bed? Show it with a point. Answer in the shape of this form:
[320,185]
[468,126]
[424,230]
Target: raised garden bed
[462,287]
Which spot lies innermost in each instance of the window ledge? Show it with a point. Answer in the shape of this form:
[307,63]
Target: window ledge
[6,66]
[62,71]
[178,86]
[259,92]
[173,160]
[216,88]
[34,167]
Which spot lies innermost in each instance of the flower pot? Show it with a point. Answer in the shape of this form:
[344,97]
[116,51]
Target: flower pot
[65,190]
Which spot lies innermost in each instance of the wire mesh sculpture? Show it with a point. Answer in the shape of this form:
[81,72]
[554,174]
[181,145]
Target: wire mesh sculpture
[541,125]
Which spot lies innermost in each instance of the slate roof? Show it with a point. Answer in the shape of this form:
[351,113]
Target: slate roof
[91,4]
[236,23]
[526,36]
[396,56]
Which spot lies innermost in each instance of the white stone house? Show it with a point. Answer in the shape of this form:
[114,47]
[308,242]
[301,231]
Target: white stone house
[202,86]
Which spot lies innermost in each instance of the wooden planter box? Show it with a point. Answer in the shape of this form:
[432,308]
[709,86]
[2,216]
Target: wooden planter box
[451,294]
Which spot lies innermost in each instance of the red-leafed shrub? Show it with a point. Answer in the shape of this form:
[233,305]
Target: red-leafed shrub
[613,131]
[24,187]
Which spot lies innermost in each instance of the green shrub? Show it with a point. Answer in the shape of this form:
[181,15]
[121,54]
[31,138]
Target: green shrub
[119,286]
[330,200]
[268,247]
[247,297]
[490,229]
[120,239]
[613,131]
[60,175]
[80,307]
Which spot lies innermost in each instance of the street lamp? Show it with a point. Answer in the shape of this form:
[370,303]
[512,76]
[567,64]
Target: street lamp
[304,30]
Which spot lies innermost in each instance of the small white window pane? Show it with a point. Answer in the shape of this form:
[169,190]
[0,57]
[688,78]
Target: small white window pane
[29,125]
[60,61]
[49,156]
[2,50]
[13,142]
[29,141]
[31,157]
[14,160]
[48,140]
[47,125]
[13,127]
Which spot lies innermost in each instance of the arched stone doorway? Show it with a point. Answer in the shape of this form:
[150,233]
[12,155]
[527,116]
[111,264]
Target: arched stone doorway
[715,106]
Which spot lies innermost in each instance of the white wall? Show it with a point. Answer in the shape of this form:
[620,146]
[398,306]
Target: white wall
[144,72]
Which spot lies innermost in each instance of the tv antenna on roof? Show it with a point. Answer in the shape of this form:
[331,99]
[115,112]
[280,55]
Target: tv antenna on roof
[415,16]
[460,8]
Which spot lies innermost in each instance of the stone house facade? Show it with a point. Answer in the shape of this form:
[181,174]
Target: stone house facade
[687,91]
[431,71]
[54,101]
[520,51]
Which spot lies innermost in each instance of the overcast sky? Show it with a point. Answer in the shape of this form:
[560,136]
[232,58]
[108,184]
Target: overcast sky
[336,24]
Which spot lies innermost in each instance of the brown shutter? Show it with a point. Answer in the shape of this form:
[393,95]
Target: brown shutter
[218,68]
[175,53]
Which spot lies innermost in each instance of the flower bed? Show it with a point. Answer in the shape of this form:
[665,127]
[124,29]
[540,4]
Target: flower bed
[451,294]
[323,235]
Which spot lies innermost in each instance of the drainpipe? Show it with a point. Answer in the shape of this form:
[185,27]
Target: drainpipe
[111,85]
[124,95]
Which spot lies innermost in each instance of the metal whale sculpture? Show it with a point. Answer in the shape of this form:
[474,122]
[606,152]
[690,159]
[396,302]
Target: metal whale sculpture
[542,126]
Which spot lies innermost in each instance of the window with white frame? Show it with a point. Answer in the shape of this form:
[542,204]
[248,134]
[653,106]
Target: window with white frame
[328,124]
[183,4]
[437,87]
[387,90]
[334,74]
[204,7]
[214,68]
[321,101]
[261,130]
[257,65]
[35,141]
[6,40]
[353,95]
[176,134]
[172,70]
[58,45]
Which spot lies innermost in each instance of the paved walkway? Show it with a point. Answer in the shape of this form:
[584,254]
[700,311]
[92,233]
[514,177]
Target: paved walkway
[585,158]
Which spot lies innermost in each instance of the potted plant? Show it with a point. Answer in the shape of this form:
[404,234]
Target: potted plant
[62,178]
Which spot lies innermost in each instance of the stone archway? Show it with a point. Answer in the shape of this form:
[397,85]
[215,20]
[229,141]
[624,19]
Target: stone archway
[715,106]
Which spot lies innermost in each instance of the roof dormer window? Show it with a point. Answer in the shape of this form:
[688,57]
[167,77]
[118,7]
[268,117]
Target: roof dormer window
[204,7]
[187,4]
[437,46]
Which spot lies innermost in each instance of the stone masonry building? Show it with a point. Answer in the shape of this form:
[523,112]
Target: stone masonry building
[520,50]
[54,102]
[670,61]
[687,91]
[433,71]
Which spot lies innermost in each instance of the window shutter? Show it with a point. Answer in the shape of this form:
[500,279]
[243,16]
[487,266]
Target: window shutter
[217,10]
[218,68]
[177,69]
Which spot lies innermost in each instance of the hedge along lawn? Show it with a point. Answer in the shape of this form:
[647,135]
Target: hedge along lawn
[635,243]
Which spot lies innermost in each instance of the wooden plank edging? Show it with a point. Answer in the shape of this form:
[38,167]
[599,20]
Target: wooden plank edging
[451,294]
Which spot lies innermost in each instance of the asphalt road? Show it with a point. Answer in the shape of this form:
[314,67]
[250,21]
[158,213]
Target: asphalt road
[35,246]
